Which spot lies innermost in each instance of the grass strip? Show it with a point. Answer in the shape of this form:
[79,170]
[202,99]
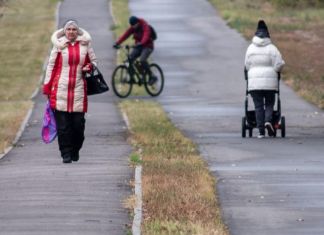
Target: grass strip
[178,190]
[26,26]
[297,31]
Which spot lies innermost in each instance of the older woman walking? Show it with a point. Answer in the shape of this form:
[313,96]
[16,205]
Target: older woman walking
[263,62]
[66,88]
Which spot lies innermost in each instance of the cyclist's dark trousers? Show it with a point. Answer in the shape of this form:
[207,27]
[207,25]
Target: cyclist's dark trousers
[143,54]
[264,101]
[70,130]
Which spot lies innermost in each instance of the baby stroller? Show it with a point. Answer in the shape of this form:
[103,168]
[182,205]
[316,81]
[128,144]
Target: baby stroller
[249,121]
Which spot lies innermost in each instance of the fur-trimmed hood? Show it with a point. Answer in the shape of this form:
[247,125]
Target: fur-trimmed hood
[60,41]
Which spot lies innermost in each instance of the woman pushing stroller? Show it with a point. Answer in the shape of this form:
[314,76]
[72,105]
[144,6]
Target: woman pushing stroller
[263,62]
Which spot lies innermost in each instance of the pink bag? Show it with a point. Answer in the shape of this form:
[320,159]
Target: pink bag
[49,131]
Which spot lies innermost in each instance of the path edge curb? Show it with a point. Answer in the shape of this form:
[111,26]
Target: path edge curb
[137,220]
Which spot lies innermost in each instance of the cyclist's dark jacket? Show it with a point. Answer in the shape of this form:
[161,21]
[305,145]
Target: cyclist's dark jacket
[141,35]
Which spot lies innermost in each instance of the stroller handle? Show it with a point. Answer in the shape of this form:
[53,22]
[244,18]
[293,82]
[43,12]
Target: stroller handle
[245,73]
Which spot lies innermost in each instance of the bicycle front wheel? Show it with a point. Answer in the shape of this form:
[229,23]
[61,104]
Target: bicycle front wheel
[154,84]
[121,82]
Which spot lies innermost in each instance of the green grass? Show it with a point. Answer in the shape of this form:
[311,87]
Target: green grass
[26,26]
[135,159]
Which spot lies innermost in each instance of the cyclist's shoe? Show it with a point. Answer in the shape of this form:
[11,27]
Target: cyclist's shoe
[270,129]
[153,79]
[141,81]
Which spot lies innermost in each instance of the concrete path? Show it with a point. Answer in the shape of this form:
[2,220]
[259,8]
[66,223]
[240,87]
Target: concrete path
[267,186]
[38,194]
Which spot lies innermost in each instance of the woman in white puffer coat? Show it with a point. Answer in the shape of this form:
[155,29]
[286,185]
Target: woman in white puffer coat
[263,62]
[66,87]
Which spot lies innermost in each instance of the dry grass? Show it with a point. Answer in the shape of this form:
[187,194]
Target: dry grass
[178,190]
[26,26]
[298,33]
[11,117]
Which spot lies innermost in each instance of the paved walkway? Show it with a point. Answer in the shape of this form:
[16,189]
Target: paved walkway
[40,195]
[268,186]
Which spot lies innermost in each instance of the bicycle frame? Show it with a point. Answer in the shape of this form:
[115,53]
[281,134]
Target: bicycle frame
[131,72]
[135,74]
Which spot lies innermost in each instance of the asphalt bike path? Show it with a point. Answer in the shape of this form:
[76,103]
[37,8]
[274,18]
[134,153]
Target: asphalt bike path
[266,186]
[41,195]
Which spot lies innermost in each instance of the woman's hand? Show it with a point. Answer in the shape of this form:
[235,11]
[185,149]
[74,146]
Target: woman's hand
[87,68]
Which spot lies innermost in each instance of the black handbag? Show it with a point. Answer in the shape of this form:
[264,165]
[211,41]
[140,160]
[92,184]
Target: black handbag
[95,82]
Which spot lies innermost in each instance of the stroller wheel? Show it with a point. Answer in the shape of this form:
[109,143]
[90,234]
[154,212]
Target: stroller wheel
[243,127]
[283,127]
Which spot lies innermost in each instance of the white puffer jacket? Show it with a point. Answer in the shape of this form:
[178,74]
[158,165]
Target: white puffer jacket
[263,61]
[64,81]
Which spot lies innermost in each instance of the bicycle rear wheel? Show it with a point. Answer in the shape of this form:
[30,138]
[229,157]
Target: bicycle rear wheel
[154,87]
[121,81]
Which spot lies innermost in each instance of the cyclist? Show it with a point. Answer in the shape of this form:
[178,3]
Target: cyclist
[144,43]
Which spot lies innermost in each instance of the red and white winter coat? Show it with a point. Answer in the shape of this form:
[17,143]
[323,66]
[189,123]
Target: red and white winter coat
[64,81]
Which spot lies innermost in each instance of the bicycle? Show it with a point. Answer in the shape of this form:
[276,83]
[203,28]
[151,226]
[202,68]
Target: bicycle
[128,74]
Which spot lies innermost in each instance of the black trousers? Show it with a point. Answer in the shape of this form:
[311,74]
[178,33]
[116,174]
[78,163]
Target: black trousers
[144,54]
[70,132]
[264,101]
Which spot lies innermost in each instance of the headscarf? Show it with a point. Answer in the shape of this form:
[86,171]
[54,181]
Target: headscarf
[73,23]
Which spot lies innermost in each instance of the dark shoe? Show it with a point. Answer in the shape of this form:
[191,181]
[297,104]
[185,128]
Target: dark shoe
[67,158]
[153,79]
[270,129]
[75,157]
[141,81]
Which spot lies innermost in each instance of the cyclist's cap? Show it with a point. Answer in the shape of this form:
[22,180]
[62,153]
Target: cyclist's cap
[133,20]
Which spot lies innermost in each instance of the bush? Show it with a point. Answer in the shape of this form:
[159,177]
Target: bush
[298,3]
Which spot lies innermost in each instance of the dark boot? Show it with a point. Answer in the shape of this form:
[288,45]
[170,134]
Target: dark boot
[67,158]
[75,156]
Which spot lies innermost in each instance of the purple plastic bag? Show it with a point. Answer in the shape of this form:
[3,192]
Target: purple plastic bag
[49,131]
